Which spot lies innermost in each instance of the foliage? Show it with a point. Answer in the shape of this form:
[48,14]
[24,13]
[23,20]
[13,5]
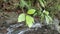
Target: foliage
[23,3]
[29,20]
[21,17]
[47,17]
[31,11]
[42,3]
[44,15]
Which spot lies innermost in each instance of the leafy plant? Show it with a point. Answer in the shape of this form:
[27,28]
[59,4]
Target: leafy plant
[24,17]
[44,15]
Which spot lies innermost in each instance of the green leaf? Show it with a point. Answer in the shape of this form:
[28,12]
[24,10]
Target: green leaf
[46,12]
[35,14]
[31,11]
[23,3]
[21,17]
[47,19]
[29,21]
[50,18]
[42,3]
[42,16]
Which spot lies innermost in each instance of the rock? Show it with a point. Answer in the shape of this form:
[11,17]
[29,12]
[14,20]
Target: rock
[16,25]
[36,25]
[8,17]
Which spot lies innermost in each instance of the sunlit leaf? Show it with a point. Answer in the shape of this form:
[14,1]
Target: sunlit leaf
[21,17]
[31,11]
[29,21]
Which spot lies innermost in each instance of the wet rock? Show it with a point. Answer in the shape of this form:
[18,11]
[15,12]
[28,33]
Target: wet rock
[36,25]
[16,25]
[10,30]
[13,27]
[23,31]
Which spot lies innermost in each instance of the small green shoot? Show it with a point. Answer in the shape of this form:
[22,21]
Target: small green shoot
[31,11]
